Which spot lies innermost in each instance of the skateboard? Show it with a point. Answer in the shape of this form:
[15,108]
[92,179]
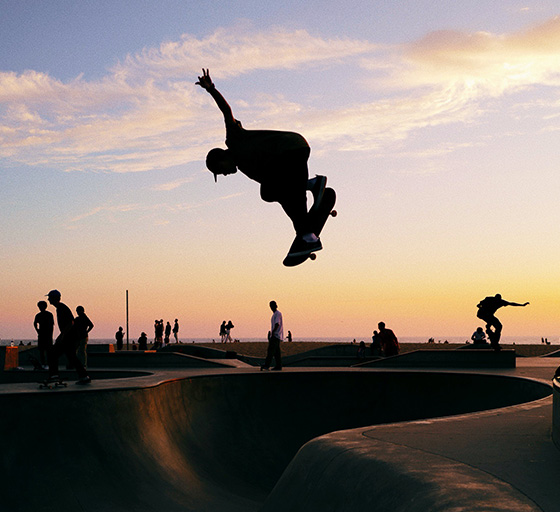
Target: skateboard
[53,383]
[318,218]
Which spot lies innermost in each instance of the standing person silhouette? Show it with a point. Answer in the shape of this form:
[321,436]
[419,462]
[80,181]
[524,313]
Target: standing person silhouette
[275,336]
[83,325]
[275,159]
[486,311]
[167,333]
[119,336]
[176,330]
[44,325]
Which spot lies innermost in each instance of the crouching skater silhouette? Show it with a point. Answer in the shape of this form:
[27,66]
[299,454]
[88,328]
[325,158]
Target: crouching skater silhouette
[275,159]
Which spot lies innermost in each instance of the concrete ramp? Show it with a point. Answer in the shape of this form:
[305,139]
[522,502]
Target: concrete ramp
[386,477]
[210,443]
[447,359]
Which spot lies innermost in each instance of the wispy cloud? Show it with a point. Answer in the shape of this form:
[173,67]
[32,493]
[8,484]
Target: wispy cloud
[121,209]
[486,63]
[172,185]
[146,114]
[240,50]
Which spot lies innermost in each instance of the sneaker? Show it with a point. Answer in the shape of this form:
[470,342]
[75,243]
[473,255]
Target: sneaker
[85,380]
[264,368]
[317,189]
[301,248]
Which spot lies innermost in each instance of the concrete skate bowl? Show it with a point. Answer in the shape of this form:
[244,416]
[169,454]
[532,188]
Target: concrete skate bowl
[25,376]
[209,443]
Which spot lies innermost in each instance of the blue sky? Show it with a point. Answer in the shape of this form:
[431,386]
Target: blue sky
[436,122]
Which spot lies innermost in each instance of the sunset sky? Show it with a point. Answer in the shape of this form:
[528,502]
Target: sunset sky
[437,122]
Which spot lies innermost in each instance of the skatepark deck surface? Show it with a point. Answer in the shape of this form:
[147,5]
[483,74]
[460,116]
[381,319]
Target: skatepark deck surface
[237,439]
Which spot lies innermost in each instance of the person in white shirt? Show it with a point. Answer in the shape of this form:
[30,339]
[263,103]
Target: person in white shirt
[275,336]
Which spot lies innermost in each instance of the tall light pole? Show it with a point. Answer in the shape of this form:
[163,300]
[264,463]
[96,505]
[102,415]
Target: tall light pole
[127,320]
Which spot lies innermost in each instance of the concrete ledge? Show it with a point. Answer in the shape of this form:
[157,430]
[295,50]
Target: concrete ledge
[198,351]
[149,359]
[325,361]
[448,359]
[345,471]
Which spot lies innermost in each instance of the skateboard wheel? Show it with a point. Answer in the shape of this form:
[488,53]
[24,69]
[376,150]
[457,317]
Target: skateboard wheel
[334,213]
[312,256]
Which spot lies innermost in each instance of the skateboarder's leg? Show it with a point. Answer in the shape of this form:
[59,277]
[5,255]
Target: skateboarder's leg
[269,354]
[53,355]
[277,354]
[497,330]
[292,196]
[317,186]
[494,334]
[73,360]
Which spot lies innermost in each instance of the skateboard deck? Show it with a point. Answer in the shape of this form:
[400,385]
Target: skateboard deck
[318,219]
[53,383]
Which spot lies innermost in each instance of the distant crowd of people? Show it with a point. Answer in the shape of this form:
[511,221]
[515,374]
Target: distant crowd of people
[162,336]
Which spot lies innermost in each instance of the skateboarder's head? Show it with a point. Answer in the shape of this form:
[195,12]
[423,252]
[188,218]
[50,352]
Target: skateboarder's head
[54,297]
[273,305]
[220,161]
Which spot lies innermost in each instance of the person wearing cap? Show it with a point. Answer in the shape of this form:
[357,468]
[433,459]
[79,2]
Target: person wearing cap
[275,159]
[66,343]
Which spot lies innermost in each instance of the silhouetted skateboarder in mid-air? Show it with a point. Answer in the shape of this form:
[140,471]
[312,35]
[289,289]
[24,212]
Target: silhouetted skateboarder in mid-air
[275,159]
[486,311]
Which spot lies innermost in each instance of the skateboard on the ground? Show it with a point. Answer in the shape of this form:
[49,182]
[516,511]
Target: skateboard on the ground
[53,383]
[317,218]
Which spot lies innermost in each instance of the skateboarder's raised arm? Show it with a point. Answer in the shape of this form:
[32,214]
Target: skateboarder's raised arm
[515,304]
[206,83]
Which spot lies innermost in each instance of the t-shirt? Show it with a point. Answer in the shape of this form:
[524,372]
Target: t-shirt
[490,305]
[81,324]
[277,319]
[64,317]
[389,342]
[45,321]
[256,151]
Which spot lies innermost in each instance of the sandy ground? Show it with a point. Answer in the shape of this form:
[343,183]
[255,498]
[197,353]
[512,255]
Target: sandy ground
[258,349]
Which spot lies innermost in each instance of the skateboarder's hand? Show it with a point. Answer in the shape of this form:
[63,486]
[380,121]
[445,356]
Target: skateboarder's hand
[205,81]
